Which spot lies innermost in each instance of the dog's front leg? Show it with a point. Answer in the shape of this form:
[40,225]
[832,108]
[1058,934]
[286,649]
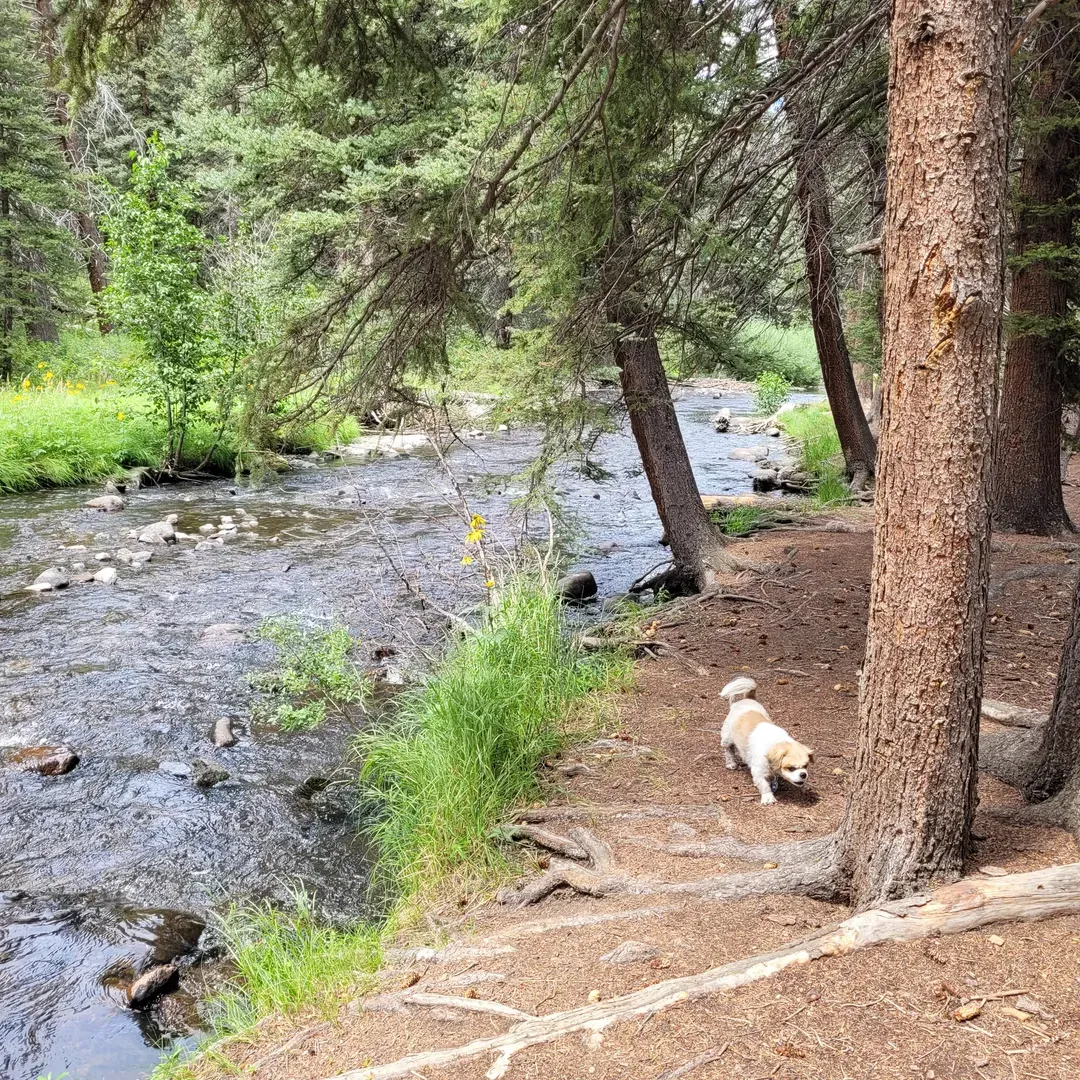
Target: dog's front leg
[763,782]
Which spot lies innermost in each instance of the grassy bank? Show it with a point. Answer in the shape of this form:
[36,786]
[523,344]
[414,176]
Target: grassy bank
[438,777]
[466,745]
[812,429]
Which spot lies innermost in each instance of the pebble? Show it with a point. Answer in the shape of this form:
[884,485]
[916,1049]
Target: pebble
[208,773]
[103,556]
[106,575]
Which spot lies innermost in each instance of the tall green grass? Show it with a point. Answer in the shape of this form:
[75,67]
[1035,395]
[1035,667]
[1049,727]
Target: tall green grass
[466,746]
[287,959]
[57,437]
[820,453]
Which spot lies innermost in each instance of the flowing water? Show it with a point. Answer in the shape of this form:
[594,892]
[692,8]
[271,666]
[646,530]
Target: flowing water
[115,865]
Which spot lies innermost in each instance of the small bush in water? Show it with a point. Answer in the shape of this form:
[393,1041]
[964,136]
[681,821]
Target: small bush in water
[771,390]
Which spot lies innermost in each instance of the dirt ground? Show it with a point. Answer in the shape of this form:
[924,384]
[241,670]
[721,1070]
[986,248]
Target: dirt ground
[883,1013]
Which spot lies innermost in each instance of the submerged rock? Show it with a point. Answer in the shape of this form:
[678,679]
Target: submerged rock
[222,635]
[749,453]
[47,760]
[108,503]
[208,773]
[579,586]
[174,768]
[138,558]
[721,420]
[152,983]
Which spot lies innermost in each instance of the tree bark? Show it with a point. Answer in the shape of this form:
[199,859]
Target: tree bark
[812,194]
[1057,758]
[1027,466]
[909,811]
[7,312]
[85,226]
[696,546]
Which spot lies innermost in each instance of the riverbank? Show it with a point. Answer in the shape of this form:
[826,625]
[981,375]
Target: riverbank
[654,791]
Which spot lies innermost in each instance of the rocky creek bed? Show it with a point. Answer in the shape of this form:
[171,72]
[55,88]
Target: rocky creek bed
[111,867]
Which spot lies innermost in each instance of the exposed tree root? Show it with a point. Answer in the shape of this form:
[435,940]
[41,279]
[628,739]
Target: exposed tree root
[545,839]
[724,847]
[479,1005]
[1026,573]
[965,905]
[1011,756]
[810,872]
[539,927]
[630,812]
[1012,715]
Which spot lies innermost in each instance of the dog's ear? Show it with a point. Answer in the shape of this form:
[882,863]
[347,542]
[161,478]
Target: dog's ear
[775,755]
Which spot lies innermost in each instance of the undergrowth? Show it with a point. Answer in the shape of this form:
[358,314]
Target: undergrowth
[740,520]
[66,433]
[465,746]
[440,776]
[315,673]
[812,428]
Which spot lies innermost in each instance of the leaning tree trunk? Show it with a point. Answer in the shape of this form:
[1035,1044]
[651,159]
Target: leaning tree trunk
[909,810]
[1027,464]
[812,193]
[696,546]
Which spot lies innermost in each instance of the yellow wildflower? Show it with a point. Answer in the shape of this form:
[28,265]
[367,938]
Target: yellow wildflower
[466,560]
[80,386]
[26,384]
[110,382]
[48,376]
[489,584]
[474,537]
[119,416]
[41,364]
[477,522]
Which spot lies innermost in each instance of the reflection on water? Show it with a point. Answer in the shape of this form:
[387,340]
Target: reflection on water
[98,864]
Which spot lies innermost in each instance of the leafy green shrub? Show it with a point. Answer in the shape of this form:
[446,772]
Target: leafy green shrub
[315,672]
[820,453]
[771,390]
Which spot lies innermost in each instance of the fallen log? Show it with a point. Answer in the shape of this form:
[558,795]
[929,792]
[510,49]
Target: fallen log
[952,909]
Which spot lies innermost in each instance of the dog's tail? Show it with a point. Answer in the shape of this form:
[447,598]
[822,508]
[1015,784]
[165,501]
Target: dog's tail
[742,687]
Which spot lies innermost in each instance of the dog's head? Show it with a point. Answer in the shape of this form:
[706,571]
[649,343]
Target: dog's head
[791,760]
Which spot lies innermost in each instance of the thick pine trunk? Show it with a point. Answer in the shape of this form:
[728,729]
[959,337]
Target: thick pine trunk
[910,807]
[695,544]
[1027,465]
[812,193]
[7,311]
[1057,759]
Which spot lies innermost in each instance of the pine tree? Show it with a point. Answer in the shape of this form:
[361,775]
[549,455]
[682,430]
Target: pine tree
[35,251]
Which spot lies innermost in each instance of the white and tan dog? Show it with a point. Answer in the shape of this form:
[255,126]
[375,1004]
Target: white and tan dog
[750,735]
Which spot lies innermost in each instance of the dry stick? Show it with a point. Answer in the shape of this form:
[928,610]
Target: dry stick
[703,1058]
[953,909]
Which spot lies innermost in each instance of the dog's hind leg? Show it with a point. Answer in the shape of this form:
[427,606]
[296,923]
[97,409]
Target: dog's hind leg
[731,759]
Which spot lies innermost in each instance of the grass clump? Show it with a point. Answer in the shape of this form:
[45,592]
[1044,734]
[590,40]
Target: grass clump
[466,745]
[315,673]
[812,428]
[740,520]
[287,959]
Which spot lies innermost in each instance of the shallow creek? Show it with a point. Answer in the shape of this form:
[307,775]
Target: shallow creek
[118,862]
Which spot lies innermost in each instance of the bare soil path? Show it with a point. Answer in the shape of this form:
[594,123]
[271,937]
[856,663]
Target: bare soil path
[657,794]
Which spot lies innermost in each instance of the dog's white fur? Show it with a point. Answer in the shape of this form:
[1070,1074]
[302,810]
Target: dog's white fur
[750,735]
